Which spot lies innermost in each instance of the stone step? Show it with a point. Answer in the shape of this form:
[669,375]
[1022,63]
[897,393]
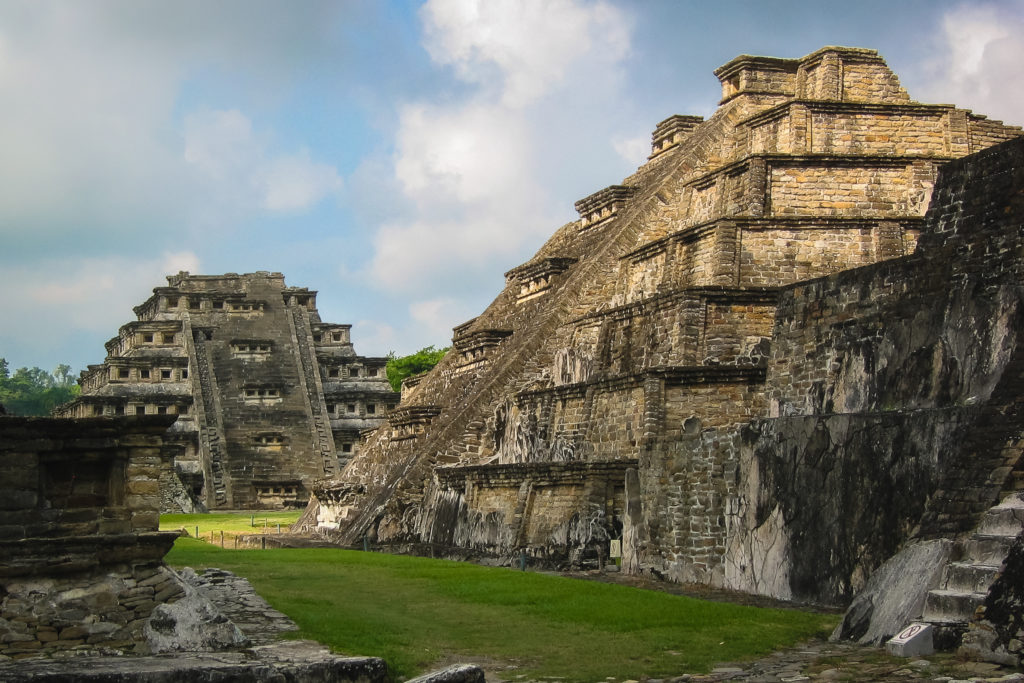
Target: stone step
[982,549]
[951,606]
[968,577]
[1014,500]
[1002,521]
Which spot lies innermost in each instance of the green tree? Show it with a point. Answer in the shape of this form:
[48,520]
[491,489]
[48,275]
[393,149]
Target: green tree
[33,391]
[399,368]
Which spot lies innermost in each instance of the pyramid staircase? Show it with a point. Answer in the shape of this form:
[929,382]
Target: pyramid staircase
[966,581]
[211,430]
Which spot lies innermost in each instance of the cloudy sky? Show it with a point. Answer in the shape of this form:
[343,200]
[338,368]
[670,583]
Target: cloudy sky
[396,156]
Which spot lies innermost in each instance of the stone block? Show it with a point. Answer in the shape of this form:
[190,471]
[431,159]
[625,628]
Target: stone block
[73,633]
[147,487]
[913,641]
[113,526]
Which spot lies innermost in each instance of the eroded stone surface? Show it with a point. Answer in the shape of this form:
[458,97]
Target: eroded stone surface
[298,661]
[895,593]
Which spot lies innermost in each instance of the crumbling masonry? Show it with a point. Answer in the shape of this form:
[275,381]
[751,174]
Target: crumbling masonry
[268,397]
[692,366]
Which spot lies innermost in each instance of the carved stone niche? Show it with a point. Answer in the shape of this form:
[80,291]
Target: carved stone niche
[300,296]
[602,205]
[474,348]
[409,385]
[672,131]
[337,499]
[535,278]
[411,421]
[340,493]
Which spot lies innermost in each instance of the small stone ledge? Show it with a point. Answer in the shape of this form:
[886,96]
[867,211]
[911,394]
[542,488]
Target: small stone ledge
[547,473]
[458,673]
[602,205]
[673,376]
[672,131]
[754,223]
[671,299]
[474,348]
[299,661]
[408,422]
[535,278]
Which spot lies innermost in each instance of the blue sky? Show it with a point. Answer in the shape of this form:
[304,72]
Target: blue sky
[398,157]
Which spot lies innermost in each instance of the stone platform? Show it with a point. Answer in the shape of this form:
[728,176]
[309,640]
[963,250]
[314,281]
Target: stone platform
[298,661]
[265,658]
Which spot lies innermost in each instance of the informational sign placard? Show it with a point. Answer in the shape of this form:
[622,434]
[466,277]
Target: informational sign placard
[615,549]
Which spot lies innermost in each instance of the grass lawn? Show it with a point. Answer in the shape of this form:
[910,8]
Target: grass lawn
[231,523]
[415,612]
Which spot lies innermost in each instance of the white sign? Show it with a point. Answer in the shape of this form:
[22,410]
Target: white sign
[615,549]
[908,633]
[913,641]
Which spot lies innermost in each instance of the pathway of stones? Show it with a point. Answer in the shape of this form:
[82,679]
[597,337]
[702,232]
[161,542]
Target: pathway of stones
[236,599]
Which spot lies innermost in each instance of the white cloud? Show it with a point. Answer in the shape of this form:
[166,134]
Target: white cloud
[978,58]
[81,126]
[469,154]
[435,318]
[222,146]
[476,170]
[469,174]
[296,182]
[93,293]
[176,261]
[65,299]
[373,336]
[531,44]
[633,150]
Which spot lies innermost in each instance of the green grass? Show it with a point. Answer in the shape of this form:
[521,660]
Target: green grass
[414,612]
[231,523]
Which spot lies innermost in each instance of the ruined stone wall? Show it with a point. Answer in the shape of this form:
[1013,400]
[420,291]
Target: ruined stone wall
[558,511]
[82,557]
[894,393]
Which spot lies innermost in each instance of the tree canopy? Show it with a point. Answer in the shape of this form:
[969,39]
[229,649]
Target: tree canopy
[35,391]
[406,366]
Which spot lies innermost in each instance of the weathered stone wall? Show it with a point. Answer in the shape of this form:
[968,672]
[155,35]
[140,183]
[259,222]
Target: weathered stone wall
[554,512]
[82,557]
[895,392]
